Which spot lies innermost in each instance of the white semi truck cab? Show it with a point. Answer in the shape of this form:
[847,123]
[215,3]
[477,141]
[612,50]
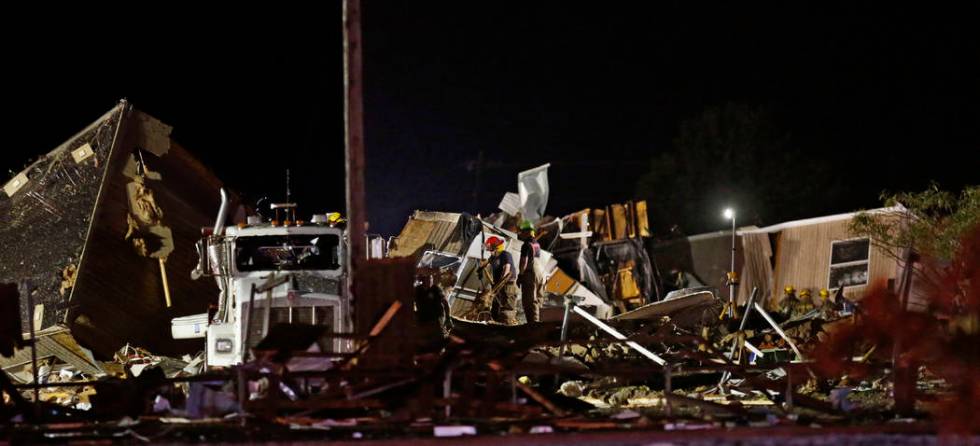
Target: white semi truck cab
[270,272]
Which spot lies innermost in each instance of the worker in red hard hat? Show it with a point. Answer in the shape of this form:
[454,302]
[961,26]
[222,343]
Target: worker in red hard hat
[504,309]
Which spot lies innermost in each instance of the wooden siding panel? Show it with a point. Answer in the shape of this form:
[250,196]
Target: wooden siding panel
[804,259]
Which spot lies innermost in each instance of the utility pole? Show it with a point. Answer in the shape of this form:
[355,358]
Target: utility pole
[354,133]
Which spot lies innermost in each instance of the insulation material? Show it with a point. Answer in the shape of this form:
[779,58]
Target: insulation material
[146,231]
[68,278]
[413,238]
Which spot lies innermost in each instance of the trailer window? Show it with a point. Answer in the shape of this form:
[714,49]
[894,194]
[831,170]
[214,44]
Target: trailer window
[288,252]
[849,261]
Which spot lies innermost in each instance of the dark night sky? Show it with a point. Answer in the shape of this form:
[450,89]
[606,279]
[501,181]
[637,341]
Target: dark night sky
[889,96]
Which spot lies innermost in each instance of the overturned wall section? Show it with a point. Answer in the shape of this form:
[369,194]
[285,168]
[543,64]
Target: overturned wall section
[155,200]
[87,231]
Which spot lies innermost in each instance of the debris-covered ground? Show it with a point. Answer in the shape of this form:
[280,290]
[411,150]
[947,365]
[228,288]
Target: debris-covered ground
[482,379]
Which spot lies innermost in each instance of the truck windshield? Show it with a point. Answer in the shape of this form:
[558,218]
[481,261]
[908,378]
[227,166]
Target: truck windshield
[288,252]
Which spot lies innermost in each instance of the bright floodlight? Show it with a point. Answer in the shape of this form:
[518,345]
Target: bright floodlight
[729,214]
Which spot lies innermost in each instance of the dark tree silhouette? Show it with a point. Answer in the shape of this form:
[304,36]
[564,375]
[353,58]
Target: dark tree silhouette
[733,155]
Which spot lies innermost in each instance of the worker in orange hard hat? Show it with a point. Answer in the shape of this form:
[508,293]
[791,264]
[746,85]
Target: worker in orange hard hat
[504,273]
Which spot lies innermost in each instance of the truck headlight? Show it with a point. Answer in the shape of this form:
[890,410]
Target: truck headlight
[223,345]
